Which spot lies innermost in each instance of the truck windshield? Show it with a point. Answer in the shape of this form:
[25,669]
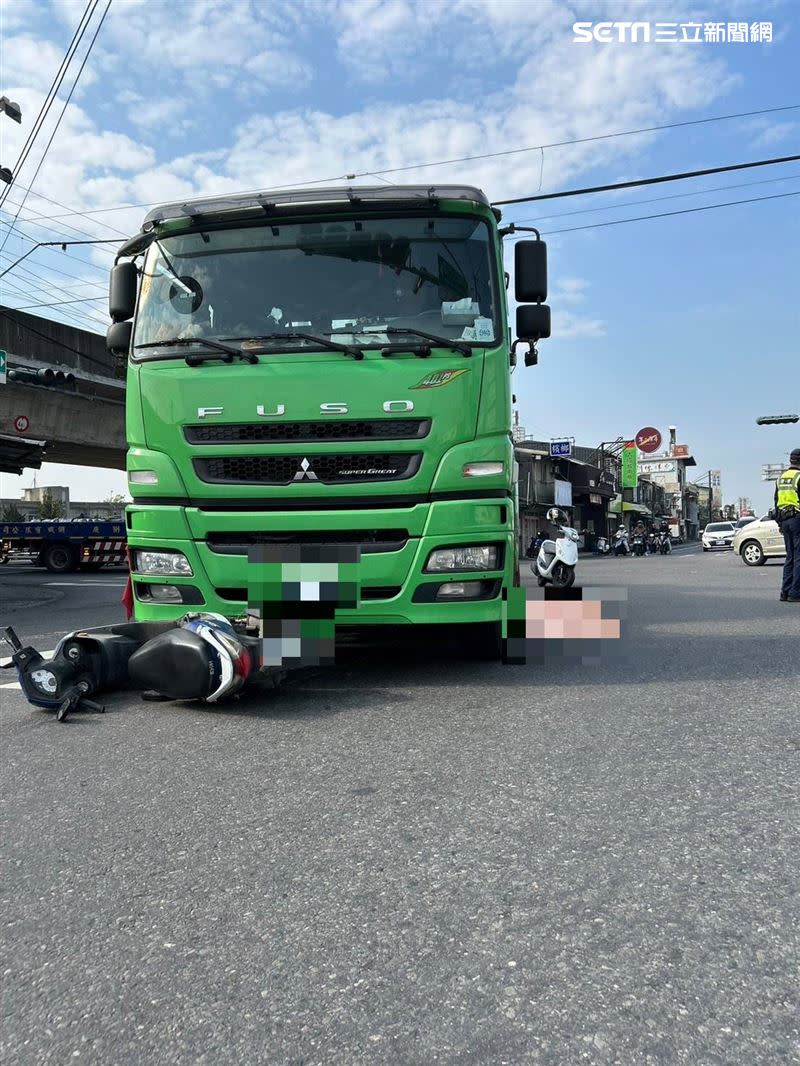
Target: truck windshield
[350,279]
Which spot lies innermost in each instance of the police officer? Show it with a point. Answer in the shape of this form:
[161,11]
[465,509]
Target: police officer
[787,512]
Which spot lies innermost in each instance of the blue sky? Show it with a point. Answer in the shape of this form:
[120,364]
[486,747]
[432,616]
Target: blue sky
[690,320]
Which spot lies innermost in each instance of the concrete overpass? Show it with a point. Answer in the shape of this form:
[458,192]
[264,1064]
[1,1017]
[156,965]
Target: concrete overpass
[83,425]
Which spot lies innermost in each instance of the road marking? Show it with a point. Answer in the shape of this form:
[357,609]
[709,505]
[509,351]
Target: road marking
[15,684]
[85,584]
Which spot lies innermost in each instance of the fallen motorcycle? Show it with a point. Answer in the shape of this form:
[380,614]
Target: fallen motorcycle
[200,656]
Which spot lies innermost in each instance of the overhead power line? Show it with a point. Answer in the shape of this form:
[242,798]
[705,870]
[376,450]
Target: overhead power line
[70,212]
[56,244]
[66,230]
[64,273]
[656,199]
[60,303]
[668,214]
[60,117]
[52,290]
[52,92]
[574,140]
[32,288]
[81,319]
[50,340]
[639,182]
[447,162]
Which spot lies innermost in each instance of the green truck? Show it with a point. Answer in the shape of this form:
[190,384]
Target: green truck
[325,367]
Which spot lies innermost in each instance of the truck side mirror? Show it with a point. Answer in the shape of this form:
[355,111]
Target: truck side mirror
[118,338]
[533,322]
[530,272]
[122,292]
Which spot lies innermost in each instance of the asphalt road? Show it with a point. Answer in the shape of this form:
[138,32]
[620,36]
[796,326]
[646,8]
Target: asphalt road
[414,858]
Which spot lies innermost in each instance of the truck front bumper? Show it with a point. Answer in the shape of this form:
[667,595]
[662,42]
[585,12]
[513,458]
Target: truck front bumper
[396,544]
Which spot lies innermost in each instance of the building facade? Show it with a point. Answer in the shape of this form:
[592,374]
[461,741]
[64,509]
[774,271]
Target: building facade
[28,509]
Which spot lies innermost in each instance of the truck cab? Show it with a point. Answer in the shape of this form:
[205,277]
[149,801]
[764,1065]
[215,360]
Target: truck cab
[324,367]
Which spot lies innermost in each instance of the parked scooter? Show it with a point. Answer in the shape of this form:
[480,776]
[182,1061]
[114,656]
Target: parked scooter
[621,546]
[555,564]
[602,546]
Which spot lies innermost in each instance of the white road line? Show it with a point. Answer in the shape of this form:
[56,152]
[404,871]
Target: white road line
[86,584]
[15,684]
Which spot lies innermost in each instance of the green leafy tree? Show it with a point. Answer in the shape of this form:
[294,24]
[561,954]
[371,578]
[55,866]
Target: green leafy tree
[49,507]
[11,513]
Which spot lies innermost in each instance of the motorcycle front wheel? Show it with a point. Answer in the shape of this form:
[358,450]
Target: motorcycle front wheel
[563,576]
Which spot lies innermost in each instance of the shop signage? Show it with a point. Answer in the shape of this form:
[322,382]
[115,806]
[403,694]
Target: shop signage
[560,449]
[680,451]
[658,466]
[3,364]
[648,440]
[21,423]
[594,498]
[629,466]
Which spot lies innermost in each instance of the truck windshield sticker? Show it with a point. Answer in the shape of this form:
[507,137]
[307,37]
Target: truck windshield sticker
[439,377]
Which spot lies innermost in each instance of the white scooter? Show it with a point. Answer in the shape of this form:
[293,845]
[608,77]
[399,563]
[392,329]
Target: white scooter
[621,542]
[555,564]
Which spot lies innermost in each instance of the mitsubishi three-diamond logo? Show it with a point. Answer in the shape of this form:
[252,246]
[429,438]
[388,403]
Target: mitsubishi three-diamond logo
[305,472]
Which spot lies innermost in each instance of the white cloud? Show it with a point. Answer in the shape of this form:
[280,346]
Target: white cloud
[570,290]
[544,89]
[194,49]
[566,325]
[765,132]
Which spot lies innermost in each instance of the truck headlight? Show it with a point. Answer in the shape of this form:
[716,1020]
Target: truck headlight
[482,469]
[468,557]
[175,563]
[142,477]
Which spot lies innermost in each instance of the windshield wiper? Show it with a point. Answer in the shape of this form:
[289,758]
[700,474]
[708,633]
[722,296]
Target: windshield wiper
[445,342]
[221,351]
[323,342]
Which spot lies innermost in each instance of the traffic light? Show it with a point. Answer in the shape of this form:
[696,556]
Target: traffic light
[776,420]
[53,379]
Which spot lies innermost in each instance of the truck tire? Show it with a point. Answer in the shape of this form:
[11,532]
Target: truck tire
[60,558]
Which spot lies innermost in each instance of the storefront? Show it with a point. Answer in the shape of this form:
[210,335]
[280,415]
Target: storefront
[623,511]
[592,488]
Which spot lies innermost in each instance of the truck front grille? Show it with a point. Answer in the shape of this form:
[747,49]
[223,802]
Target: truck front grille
[374,592]
[309,432]
[369,541]
[307,470]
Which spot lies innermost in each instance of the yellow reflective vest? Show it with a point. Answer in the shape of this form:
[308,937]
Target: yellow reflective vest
[787,490]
